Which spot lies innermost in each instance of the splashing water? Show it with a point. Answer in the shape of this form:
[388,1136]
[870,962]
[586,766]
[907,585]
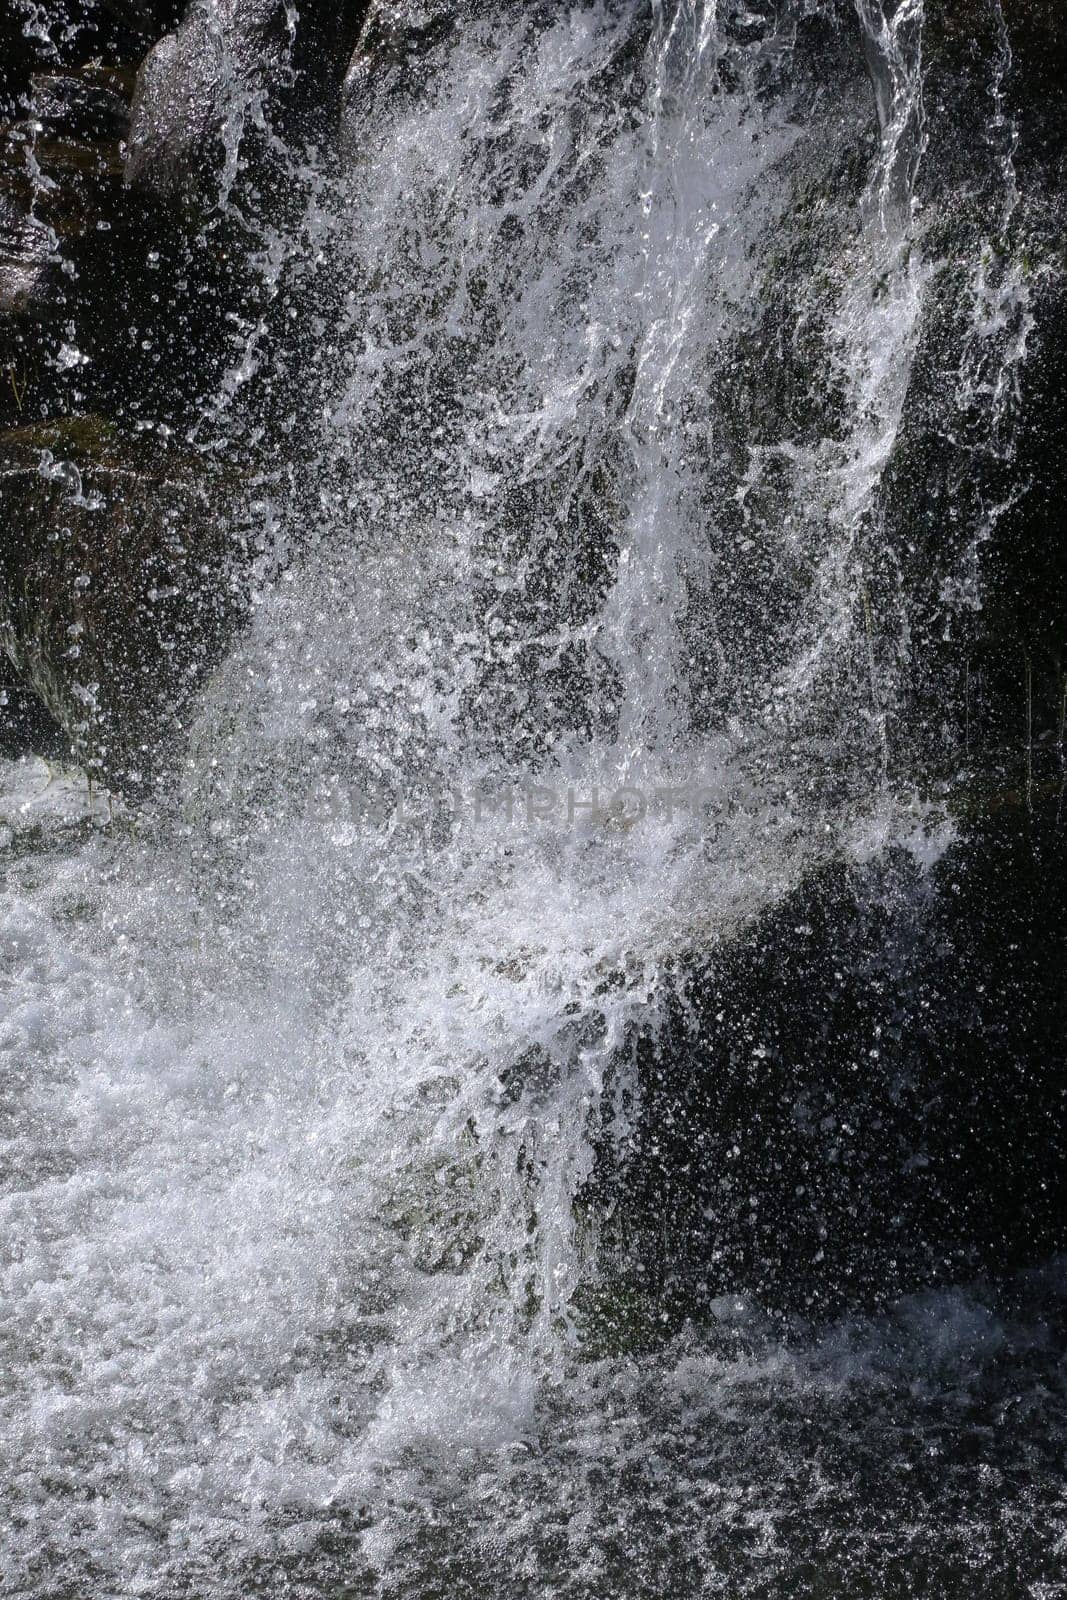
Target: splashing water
[305,1071]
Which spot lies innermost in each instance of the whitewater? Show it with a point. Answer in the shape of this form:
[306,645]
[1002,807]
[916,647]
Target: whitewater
[312,1064]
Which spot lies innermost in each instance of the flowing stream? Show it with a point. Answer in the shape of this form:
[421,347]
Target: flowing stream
[579,643]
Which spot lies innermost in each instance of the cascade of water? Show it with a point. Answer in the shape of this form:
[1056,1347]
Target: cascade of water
[343,1039]
[530,289]
[892,41]
[706,151]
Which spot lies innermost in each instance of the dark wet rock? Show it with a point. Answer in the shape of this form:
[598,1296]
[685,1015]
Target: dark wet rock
[972,508]
[988,631]
[777,386]
[1020,647]
[865,1093]
[26,244]
[160,337]
[962,555]
[116,303]
[64,35]
[995,463]
[196,89]
[67,73]
[17,56]
[229,75]
[121,580]
[1024,42]
[60,177]
[121,304]
[80,251]
[1034,30]
[395,43]
[26,725]
[93,104]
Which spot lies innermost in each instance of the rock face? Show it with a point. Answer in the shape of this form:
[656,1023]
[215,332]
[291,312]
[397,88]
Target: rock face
[864,1094]
[66,219]
[118,299]
[115,613]
[115,302]
[982,435]
[865,1091]
[195,90]
[66,79]
[229,68]
[393,40]
[60,173]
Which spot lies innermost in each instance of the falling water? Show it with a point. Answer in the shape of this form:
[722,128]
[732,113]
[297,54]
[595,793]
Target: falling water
[567,660]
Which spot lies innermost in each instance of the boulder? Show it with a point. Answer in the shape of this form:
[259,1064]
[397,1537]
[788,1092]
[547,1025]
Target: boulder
[233,68]
[195,89]
[112,301]
[394,42]
[60,175]
[121,581]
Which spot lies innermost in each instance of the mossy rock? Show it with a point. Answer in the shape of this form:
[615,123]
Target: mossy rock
[120,584]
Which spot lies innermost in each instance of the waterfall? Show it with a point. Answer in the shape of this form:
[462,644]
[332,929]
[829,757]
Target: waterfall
[581,641]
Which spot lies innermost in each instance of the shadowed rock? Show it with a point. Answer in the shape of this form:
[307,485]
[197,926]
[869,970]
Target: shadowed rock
[394,41]
[60,175]
[66,76]
[230,67]
[865,1092]
[120,584]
